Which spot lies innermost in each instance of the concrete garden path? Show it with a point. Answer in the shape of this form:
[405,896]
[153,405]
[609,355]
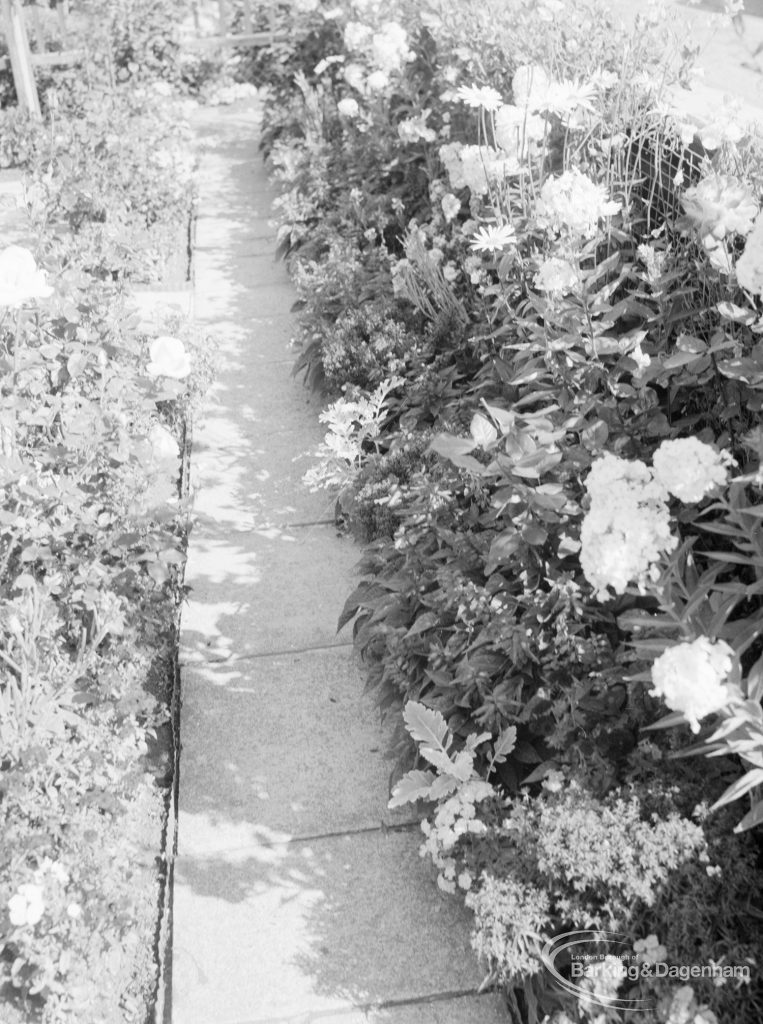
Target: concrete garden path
[298,897]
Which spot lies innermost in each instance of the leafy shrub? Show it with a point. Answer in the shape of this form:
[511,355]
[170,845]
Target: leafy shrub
[581,261]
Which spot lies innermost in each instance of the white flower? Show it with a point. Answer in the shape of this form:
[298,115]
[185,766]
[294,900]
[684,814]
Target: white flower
[494,238]
[348,107]
[516,129]
[164,447]
[530,86]
[627,526]
[168,358]
[27,905]
[574,203]
[465,880]
[474,167]
[688,469]
[749,266]
[480,96]
[720,205]
[451,206]
[389,47]
[557,276]
[690,677]
[354,76]
[604,977]
[20,278]
[650,951]
[414,129]
[377,81]
[357,36]
[74,910]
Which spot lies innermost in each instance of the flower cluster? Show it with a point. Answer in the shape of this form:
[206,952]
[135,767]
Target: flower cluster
[574,204]
[749,266]
[454,817]
[689,469]
[415,129]
[557,277]
[352,422]
[627,527]
[476,167]
[692,678]
[720,205]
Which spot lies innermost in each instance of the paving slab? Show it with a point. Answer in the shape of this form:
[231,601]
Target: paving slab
[237,236]
[283,746]
[488,1008]
[298,896]
[269,590]
[324,926]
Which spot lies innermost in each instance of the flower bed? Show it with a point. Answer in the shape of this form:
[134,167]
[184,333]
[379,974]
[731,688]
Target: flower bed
[530,289]
[93,412]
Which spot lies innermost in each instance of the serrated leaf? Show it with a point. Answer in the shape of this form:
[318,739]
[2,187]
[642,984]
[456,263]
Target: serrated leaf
[463,765]
[474,739]
[437,757]
[443,785]
[505,743]
[414,785]
[425,725]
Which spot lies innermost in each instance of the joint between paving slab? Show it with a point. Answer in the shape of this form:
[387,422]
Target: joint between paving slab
[315,1017]
[282,652]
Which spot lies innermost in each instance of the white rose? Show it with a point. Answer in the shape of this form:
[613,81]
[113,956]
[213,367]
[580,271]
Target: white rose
[20,278]
[168,358]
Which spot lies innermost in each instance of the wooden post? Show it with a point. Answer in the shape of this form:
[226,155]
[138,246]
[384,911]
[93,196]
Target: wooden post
[223,8]
[21,57]
[62,10]
[38,33]
[248,17]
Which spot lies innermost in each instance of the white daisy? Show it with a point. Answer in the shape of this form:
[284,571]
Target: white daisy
[480,96]
[493,238]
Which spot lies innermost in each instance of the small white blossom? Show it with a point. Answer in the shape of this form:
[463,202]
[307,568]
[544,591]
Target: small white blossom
[451,205]
[27,906]
[348,107]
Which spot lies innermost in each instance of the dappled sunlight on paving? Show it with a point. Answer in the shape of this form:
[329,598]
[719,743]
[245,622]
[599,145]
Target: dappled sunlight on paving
[325,918]
[288,742]
[254,591]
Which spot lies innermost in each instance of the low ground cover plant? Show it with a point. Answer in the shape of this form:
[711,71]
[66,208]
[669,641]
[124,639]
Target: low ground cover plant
[530,288]
[94,402]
